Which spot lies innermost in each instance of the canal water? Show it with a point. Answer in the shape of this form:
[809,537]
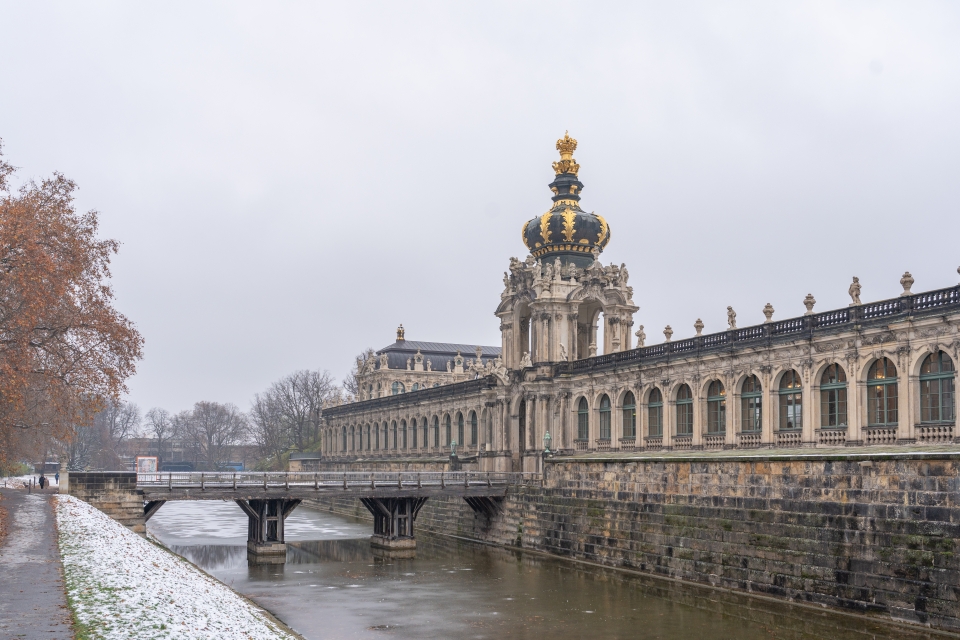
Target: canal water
[335,586]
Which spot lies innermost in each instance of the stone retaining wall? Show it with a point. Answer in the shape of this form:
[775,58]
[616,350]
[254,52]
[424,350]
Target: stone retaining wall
[113,492]
[877,536]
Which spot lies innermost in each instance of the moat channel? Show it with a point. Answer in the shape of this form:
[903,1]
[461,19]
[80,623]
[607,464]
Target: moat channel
[333,585]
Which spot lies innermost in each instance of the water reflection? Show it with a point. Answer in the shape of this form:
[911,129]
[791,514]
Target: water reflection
[335,586]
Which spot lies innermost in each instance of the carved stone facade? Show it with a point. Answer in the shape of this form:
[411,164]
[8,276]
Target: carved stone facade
[879,373]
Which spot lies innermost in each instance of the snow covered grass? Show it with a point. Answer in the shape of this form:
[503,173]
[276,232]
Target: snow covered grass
[119,585]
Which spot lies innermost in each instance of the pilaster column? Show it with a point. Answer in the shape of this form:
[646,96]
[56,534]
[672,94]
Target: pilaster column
[767,413]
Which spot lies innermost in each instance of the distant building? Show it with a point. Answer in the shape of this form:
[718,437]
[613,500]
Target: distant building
[411,366]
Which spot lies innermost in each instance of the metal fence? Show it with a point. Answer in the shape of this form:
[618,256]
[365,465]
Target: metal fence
[333,480]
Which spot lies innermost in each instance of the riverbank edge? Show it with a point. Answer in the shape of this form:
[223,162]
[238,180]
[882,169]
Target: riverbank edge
[699,586]
[82,631]
[267,612]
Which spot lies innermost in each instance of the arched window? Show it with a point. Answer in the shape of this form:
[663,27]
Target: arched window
[655,414]
[583,420]
[394,425]
[353,438]
[936,389]
[426,439]
[413,433]
[447,431]
[716,408]
[415,387]
[436,431]
[604,417]
[751,405]
[376,436]
[882,394]
[791,416]
[360,437]
[460,433]
[629,416]
[403,434]
[344,438]
[474,435]
[368,437]
[684,411]
[833,398]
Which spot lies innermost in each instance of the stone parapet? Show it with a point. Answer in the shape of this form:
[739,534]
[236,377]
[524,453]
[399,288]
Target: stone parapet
[113,492]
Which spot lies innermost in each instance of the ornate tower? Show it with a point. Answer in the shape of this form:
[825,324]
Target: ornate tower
[566,231]
[552,301]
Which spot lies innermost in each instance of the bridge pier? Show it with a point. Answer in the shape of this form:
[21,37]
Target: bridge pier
[393,520]
[266,543]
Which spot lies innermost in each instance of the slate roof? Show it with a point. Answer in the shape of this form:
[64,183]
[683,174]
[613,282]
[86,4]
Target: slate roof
[439,353]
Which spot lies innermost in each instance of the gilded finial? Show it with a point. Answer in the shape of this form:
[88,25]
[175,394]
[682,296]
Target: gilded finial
[566,146]
[400,337]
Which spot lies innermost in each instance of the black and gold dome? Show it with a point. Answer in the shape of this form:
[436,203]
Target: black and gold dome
[566,231]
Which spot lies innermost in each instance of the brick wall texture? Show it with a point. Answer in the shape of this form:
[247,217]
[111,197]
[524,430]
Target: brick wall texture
[876,536]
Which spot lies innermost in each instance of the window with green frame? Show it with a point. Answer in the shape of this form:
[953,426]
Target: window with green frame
[583,420]
[655,414]
[751,405]
[448,431]
[629,415]
[684,411]
[716,408]
[882,408]
[833,398]
[394,429]
[436,432]
[605,417]
[473,427]
[413,433]
[791,397]
[937,389]
[460,429]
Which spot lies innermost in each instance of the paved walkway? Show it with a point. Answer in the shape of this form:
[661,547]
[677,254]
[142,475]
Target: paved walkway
[32,600]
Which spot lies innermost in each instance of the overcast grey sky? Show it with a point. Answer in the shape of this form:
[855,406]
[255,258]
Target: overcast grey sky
[292,180]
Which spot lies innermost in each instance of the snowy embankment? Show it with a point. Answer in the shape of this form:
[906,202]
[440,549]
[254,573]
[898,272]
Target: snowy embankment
[122,586]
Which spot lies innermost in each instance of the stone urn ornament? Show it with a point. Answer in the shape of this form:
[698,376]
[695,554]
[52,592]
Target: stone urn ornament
[808,302]
[668,333]
[768,312]
[698,325]
[906,282]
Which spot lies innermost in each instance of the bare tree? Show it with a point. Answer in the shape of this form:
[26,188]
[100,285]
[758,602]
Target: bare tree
[81,446]
[268,428]
[214,429]
[161,426]
[351,384]
[119,420]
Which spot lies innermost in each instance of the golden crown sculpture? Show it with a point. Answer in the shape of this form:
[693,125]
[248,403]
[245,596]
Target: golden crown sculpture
[566,146]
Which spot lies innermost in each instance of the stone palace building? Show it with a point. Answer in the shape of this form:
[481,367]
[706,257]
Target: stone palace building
[875,373]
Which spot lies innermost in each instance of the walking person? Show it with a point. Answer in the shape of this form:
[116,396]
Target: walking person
[56,477]
[43,481]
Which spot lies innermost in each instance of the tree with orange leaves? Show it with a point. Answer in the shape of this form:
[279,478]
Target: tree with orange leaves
[64,350]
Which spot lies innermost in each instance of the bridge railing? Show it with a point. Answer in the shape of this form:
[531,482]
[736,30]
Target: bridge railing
[332,479]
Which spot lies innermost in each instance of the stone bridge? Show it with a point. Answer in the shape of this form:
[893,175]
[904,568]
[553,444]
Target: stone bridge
[394,498]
